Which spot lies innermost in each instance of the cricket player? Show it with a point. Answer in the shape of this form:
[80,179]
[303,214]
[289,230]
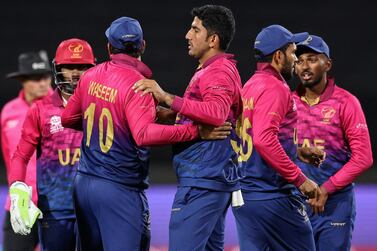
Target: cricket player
[207,171]
[273,217]
[331,119]
[34,73]
[58,154]
[110,204]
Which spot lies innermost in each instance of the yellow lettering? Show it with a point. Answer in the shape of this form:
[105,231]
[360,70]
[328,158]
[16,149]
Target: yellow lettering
[67,157]
[305,143]
[113,95]
[245,148]
[98,94]
[91,87]
[107,94]
[76,156]
[104,88]
[102,92]
[109,138]
[319,143]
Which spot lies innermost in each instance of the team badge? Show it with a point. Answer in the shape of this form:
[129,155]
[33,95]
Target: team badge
[56,124]
[327,113]
[76,49]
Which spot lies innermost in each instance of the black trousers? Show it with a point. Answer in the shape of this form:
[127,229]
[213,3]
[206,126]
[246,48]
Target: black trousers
[17,242]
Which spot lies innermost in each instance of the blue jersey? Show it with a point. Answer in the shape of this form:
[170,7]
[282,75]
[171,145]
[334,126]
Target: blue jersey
[213,96]
[269,141]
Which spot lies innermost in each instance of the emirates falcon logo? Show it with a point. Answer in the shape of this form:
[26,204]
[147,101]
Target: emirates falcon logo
[327,113]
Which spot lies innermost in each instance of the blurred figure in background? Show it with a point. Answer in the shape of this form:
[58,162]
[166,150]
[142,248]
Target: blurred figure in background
[34,73]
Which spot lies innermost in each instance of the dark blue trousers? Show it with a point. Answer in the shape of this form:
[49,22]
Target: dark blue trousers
[275,224]
[110,216]
[197,219]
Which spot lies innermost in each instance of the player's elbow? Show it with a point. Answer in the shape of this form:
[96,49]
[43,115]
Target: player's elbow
[368,162]
[65,120]
[141,138]
[364,162]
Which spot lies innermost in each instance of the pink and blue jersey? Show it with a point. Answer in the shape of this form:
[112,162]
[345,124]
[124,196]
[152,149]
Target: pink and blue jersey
[337,126]
[58,156]
[212,97]
[268,137]
[118,123]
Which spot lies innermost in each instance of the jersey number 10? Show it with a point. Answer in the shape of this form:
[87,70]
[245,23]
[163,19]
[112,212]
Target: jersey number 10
[106,142]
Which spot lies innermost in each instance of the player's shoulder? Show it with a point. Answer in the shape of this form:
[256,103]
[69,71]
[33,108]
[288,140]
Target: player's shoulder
[223,65]
[42,103]
[265,81]
[11,105]
[344,95]
[92,70]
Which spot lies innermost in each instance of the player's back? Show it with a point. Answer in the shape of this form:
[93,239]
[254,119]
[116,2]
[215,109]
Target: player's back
[108,148]
[265,89]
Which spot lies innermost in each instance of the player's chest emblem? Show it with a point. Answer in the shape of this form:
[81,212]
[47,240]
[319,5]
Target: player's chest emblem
[56,124]
[327,114]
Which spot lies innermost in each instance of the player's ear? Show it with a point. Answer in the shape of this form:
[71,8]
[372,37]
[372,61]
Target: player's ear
[277,57]
[328,64]
[214,41]
[109,48]
[143,46]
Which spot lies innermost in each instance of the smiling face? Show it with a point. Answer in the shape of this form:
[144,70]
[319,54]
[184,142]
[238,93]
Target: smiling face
[311,68]
[198,40]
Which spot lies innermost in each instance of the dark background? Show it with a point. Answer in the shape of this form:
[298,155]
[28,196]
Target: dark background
[349,28]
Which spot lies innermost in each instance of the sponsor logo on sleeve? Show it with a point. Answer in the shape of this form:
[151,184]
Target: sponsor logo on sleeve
[11,124]
[362,126]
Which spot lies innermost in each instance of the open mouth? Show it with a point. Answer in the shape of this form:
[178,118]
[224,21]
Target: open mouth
[306,76]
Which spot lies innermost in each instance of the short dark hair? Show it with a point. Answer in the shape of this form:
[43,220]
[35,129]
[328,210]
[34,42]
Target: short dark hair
[130,48]
[261,58]
[218,20]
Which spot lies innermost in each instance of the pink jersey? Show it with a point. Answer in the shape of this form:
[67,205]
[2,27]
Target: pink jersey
[58,153]
[12,119]
[336,125]
[269,125]
[116,121]
[213,95]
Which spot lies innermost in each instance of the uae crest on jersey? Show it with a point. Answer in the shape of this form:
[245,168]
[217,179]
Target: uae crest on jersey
[56,124]
[327,113]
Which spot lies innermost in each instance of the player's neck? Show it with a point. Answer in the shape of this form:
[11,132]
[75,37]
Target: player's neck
[29,98]
[316,90]
[210,53]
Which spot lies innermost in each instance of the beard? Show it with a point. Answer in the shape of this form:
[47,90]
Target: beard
[311,83]
[287,71]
